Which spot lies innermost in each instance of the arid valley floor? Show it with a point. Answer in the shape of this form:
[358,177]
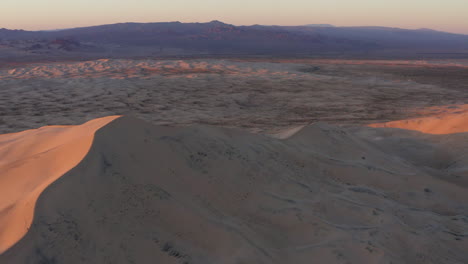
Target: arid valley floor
[234,161]
[257,95]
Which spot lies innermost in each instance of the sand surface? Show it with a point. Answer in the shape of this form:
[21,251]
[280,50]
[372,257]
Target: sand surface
[260,96]
[29,162]
[200,194]
[385,181]
[452,120]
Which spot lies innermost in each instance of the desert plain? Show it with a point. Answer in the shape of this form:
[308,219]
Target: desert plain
[259,95]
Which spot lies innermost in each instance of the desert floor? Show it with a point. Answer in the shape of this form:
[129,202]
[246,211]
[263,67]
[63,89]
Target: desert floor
[258,95]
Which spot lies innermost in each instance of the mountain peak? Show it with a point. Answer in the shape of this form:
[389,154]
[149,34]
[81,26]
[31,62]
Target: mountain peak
[217,22]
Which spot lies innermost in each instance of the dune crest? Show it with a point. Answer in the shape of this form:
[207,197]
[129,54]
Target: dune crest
[455,121]
[29,162]
[201,194]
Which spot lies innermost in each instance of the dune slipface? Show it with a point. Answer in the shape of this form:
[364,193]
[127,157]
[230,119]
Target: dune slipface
[29,162]
[151,194]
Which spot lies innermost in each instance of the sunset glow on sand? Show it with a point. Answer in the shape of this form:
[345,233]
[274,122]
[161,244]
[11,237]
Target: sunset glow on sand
[233,132]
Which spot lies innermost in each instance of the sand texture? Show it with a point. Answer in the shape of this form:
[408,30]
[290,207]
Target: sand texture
[29,162]
[260,96]
[454,120]
[199,194]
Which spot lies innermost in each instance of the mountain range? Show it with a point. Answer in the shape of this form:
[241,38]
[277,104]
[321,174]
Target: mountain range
[218,38]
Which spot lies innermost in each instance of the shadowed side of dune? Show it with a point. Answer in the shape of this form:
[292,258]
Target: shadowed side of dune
[150,194]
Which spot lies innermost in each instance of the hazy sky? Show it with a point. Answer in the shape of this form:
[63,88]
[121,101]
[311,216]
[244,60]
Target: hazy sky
[447,15]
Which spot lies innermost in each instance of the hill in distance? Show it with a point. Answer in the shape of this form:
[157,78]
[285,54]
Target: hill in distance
[218,38]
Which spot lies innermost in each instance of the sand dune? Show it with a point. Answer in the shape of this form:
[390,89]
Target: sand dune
[153,194]
[260,96]
[446,122]
[29,162]
[122,69]
[416,63]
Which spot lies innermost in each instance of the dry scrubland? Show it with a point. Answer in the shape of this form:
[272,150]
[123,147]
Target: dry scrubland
[261,96]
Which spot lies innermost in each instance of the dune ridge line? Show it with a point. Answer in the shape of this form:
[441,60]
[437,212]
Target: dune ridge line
[205,194]
[29,162]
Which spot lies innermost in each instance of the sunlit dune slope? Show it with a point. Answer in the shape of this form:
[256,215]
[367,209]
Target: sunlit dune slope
[443,123]
[193,195]
[29,162]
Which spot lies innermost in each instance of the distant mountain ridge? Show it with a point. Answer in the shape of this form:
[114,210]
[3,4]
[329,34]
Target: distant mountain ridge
[319,25]
[216,37]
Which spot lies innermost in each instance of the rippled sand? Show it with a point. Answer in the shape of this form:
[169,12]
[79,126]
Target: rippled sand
[261,96]
[199,194]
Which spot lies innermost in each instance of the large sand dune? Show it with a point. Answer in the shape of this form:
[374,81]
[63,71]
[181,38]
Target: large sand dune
[153,194]
[29,162]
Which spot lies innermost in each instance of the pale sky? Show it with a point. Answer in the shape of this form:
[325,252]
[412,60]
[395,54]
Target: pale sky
[445,15]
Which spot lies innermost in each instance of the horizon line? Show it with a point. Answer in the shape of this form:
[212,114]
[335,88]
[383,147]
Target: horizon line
[237,25]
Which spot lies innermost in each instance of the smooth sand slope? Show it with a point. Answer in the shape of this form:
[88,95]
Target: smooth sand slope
[152,194]
[447,122]
[29,162]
